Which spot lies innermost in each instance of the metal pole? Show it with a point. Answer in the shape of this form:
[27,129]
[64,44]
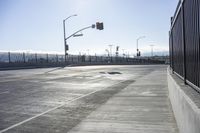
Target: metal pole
[57,58]
[110,52]
[123,55]
[9,57]
[47,58]
[24,58]
[96,57]
[64,38]
[107,52]
[184,45]
[36,57]
[137,46]
[65,41]
[141,37]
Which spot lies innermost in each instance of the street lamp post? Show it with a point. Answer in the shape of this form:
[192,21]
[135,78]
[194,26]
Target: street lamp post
[141,37]
[65,41]
[107,52]
[110,52]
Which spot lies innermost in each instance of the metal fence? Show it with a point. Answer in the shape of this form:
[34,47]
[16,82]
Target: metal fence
[184,42]
[12,59]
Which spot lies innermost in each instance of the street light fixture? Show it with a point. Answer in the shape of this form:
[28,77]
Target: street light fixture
[65,41]
[141,37]
[77,35]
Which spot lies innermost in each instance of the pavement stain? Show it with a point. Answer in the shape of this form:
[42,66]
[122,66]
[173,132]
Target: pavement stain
[111,73]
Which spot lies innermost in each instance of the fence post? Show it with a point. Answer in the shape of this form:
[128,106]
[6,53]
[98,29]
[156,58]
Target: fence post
[184,47]
[57,58]
[47,58]
[36,57]
[9,57]
[172,46]
[24,58]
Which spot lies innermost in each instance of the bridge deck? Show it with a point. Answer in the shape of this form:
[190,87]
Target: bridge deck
[86,99]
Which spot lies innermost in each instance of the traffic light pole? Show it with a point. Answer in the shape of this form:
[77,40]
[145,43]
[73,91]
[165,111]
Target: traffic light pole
[78,32]
[99,26]
[64,39]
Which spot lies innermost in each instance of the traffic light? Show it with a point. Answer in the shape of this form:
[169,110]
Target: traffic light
[99,25]
[138,54]
[117,48]
[66,47]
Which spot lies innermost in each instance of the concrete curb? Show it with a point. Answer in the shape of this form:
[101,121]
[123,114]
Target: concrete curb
[185,103]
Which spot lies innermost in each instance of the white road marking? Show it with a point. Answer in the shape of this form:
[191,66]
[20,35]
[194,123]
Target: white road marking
[29,119]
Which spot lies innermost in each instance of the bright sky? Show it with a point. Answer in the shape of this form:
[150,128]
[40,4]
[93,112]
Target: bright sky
[36,25]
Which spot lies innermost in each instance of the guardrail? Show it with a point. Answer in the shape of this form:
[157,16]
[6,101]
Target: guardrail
[184,42]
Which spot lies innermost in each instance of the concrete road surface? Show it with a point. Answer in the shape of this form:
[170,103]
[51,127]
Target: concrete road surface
[104,99]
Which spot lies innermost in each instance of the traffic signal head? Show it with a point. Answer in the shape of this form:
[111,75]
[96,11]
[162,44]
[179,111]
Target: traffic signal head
[138,53]
[99,26]
[117,48]
[66,47]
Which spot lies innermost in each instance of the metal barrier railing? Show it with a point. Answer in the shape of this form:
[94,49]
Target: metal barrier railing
[184,42]
[35,58]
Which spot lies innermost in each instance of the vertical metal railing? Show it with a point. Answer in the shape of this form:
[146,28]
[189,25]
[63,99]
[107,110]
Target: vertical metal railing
[184,42]
[29,59]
